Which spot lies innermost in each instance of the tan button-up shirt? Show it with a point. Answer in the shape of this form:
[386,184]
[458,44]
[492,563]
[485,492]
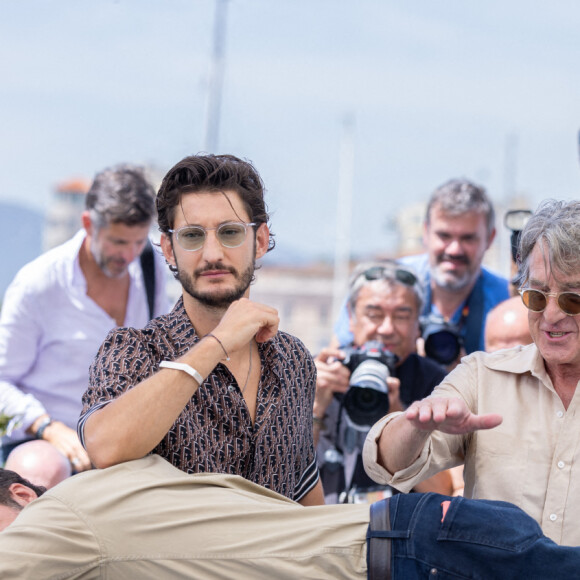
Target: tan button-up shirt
[532,459]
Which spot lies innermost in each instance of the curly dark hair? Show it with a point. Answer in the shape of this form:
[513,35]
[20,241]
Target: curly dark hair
[214,173]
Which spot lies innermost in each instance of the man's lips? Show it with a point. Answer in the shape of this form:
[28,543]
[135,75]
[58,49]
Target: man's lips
[555,334]
[214,273]
[455,262]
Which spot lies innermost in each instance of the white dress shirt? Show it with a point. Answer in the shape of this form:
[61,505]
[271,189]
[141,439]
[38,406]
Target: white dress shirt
[50,330]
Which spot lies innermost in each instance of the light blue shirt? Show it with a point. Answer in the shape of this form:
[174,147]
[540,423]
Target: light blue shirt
[494,289]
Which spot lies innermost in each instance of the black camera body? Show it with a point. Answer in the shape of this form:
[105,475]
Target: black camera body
[443,340]
[367,398]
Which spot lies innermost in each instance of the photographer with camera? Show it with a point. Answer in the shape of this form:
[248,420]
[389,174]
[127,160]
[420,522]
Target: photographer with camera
[378,372]
[459,292]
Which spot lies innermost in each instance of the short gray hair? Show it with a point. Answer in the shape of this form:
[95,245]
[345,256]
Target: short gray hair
[121,194]
[557,224]
[390,272]
[459,196]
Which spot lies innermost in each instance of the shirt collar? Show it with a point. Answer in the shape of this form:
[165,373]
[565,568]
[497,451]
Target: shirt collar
[519,360]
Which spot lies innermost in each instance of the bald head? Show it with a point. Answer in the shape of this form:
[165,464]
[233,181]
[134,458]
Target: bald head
[507,325]
[39,462]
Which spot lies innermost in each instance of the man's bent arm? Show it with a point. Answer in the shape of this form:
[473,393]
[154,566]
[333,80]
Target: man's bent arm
[132,425]
[401,442]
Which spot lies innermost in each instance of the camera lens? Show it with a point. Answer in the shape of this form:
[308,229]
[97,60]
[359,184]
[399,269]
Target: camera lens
[367,399]
[443,345]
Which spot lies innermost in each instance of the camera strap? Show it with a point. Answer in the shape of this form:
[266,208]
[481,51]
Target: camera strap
[473,323]
[148,267]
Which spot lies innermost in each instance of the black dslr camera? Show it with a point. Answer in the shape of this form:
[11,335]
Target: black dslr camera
[442,339]
[367,399]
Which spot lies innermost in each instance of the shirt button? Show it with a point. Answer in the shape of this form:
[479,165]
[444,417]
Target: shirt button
[561,464]
[433,571]
[231,388]
[553,517]
[560,414]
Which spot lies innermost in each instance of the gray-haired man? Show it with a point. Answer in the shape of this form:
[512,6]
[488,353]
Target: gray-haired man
[510,416]
[60,306]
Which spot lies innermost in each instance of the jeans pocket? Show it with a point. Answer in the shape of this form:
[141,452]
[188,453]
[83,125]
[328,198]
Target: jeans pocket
[495,524]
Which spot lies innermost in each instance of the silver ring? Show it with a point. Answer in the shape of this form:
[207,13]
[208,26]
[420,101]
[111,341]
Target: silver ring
[75,460]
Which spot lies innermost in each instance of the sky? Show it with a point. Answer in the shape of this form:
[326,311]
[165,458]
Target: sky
[432,90]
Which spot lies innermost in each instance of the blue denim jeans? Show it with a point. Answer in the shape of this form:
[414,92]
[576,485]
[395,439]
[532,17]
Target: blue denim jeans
[477,539]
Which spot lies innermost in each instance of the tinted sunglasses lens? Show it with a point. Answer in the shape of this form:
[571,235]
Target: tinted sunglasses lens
[191,238]
[231,235]
[569,302]
[403,276]
[406,277]
[375,273]
[534,300]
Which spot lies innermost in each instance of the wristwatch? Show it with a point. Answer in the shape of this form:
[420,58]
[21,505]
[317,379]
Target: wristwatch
[43,425]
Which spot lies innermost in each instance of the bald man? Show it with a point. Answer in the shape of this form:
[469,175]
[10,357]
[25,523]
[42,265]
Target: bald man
[507,325]
[40,463]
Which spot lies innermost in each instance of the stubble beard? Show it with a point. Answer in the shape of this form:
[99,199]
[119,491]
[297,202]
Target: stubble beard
[217,299]
[451,280]
[102,263]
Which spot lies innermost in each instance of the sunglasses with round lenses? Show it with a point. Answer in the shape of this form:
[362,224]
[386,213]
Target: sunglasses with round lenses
[380,272]
[536,300]
[229,235]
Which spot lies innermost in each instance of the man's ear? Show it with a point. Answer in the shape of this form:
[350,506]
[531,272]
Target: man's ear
[425,235]
[21,494]
[87,222]
[262,240]
[490,238]
[167,248]
[351,317]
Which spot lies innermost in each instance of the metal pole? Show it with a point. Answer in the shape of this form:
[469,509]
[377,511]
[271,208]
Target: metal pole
[216,78]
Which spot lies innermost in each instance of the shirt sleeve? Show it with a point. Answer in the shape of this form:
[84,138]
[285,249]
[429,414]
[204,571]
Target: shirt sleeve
[48,540]
[441,450]
[123,361]
[20,334]
[308,470]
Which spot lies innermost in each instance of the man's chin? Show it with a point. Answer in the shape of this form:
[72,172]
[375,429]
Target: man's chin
[451,281]
[114,272]
[217,299]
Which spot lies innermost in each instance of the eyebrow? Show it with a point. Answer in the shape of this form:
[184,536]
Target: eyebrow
[573,285]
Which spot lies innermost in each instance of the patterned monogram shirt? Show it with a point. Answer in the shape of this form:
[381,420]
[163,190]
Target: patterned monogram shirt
[214,432]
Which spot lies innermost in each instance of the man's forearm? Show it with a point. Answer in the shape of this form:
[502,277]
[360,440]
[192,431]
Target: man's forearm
[132,425]
[399,444]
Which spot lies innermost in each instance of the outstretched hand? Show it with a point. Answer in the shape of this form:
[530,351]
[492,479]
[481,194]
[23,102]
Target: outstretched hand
[449,415]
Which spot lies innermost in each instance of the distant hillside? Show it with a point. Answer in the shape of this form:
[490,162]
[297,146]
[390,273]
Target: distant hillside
[20,240]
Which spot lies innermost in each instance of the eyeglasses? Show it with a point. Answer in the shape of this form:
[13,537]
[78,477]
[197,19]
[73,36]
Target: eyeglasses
[379,272]
[536,300]
[230,235]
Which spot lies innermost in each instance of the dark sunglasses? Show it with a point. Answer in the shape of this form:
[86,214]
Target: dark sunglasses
[536,300]
[400,274]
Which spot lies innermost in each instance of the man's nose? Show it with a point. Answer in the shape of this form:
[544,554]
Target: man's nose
[386,326]
[454,248]
[131,251]
[212,250]
[553,313]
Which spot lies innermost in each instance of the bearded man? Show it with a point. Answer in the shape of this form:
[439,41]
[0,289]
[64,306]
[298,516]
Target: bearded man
[213,386]
[458,229]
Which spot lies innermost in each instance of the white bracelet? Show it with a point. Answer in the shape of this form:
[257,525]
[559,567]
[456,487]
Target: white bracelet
[166,364]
